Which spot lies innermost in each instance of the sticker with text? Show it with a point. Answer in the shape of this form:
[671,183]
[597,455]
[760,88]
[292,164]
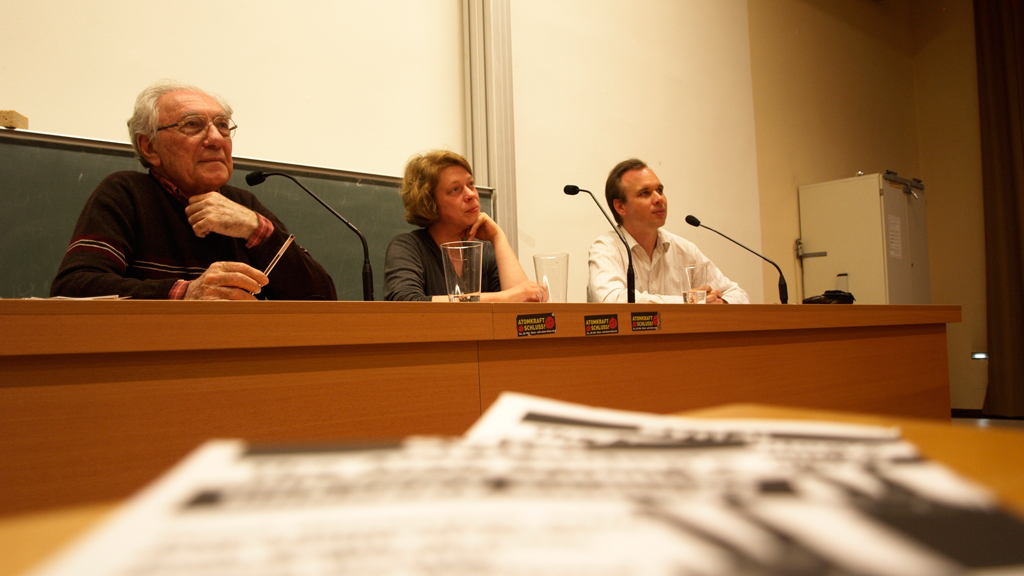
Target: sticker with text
[533,324]
[641,321]
[603,324]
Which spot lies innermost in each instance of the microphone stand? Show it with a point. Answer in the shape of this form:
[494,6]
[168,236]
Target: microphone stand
[256,178]
[630,276]
[783,290]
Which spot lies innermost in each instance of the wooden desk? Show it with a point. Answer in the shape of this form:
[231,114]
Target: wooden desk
[994,458]
[876,359]
[97,398]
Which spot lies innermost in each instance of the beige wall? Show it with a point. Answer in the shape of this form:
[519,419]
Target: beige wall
[668,81]
[946,76]
[850,85]
[349,85]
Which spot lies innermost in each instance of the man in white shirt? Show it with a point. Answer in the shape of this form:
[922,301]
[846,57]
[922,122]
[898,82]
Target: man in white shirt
[637,199]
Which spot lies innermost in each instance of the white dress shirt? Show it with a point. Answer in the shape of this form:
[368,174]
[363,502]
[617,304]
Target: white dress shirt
[661,278]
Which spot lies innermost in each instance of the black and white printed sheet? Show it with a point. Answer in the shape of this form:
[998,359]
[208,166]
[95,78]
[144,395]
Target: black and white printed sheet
[542,487]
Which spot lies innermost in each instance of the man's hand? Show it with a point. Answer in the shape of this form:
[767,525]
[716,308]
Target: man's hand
[212,212]
[227,281]
[714,296]
[483,229]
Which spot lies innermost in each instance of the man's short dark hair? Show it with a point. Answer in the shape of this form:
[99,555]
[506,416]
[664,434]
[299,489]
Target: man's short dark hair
[613,186]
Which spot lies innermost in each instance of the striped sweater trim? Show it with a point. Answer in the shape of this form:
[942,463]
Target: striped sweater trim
[192,271]
[92,245]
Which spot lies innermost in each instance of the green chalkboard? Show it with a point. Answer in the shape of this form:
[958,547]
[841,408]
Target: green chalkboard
[45,180]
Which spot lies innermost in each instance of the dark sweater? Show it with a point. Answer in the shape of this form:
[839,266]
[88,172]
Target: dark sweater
[133,239]
[413,269]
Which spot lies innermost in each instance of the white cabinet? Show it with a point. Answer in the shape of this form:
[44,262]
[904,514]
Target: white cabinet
[873,229]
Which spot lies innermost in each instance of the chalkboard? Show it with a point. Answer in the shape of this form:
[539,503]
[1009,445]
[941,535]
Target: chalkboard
[45,180]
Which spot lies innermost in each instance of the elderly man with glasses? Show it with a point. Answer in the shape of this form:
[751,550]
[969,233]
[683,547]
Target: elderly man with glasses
[180,232]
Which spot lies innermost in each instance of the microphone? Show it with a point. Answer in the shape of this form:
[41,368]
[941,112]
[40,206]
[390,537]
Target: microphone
[572,190]
[256,178]
[783,290]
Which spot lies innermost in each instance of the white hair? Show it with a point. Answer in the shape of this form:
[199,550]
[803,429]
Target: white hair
[146,117]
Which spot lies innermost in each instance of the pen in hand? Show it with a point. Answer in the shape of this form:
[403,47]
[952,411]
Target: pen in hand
[280,253]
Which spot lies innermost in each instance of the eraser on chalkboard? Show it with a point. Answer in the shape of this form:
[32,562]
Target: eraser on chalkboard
[11,119]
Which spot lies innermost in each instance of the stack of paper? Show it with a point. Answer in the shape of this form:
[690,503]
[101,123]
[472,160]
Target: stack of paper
[540,487]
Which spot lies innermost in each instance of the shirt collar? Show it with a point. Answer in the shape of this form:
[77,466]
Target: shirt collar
[170,187]
[662,239]
[629,237]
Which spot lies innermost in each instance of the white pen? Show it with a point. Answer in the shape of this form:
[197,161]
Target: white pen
[280,253]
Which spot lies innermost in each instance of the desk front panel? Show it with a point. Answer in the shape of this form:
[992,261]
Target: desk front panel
[899,370]
[89,427]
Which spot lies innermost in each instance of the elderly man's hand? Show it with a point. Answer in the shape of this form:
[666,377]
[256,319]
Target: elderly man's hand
[212,212]
[227,281]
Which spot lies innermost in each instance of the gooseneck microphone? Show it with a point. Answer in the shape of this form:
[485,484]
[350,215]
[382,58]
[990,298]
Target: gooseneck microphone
[783,291]
[256,178]
[572,190]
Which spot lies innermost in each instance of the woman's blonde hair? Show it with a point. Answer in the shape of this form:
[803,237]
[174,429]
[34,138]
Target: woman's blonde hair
[422,173]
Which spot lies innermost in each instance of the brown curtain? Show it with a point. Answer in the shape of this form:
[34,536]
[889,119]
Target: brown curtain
[999,36]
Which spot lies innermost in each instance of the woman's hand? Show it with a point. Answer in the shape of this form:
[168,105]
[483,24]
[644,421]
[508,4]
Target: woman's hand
[510,272]
[528,291]
[483,229]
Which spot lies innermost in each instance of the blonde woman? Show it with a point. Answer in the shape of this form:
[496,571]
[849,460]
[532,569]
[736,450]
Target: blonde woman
[440,196]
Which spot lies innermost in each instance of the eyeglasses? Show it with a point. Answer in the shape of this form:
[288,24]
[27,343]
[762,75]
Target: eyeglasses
[195,125]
